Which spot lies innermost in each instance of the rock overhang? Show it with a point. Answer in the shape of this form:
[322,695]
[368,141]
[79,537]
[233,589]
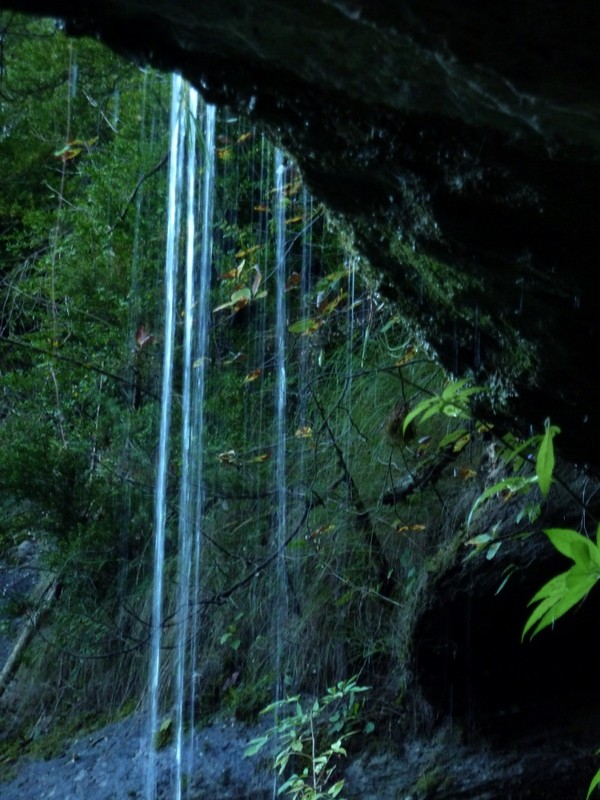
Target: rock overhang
[459,141]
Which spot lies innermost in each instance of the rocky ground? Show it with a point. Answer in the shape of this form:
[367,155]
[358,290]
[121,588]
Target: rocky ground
[535,761]
[111,764]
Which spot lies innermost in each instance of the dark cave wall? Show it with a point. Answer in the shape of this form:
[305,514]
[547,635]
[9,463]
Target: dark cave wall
[475,669]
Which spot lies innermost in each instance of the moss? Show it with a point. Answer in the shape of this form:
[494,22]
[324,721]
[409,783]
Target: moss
[428,783]
[53,743]
[441,282]
[249,698]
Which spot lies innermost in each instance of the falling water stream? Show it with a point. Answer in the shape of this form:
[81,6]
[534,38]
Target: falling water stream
[186,498]
[281,394]
[280,417]
[200,365]
[190,221]
[160,501]
[182,196]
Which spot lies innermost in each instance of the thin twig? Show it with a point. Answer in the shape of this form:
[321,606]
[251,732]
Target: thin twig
[121,215]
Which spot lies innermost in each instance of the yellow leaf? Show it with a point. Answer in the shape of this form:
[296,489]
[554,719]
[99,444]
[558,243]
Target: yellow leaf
[408,356]
[293,187]
[252,376]
[410,528]
[466,474]
[304,432]
[461,443]
[320,531]
[260,459]
[230,275]
[327,306]
[244,253]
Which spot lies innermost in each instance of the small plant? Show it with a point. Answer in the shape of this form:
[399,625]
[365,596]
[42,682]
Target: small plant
[521,484]
[164,735]
[300,736]
[231,637]
[452,402]
[564,591]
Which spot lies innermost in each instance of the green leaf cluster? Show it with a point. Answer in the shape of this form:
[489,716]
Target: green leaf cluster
[564,591]
[452,402]
[299,732]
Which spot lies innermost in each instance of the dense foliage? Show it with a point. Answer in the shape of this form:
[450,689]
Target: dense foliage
[82,221]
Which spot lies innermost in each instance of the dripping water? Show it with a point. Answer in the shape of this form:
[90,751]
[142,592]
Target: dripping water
[476,341]
[186,496]
[305,289]
[264,202]
[160,502]
[73,76]
[350,267]
[203,306]
[280,416]
[135,393]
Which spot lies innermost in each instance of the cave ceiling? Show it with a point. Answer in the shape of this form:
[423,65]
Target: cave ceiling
[459,141]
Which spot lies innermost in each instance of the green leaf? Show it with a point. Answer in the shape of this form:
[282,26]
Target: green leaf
[453,389]
[330,279]
[570,543]
[417,410]
[336,747]
[514,484]
[593,783]
[558,596]
[492,550]
[334,790]
[544,464]
[305,326]
[452,437]
[255,745]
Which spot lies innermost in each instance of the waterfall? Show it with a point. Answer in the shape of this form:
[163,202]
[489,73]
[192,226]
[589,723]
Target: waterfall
[184,107]
[160,502]
[200,365]
[186,494]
